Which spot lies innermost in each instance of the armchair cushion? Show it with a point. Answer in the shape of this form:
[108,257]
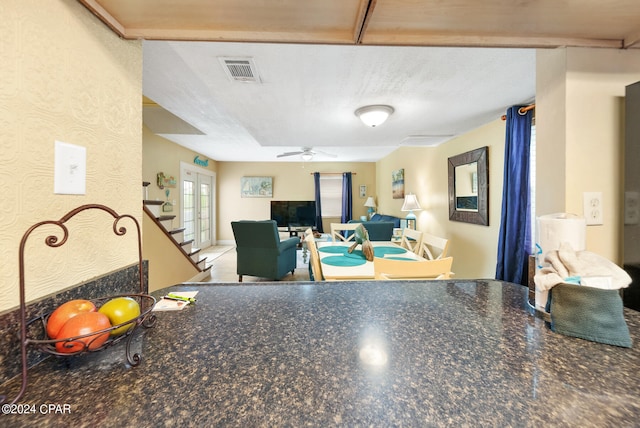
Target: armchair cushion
[261,252]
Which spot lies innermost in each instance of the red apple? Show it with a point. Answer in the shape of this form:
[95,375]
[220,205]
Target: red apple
[81,324]
[64,313]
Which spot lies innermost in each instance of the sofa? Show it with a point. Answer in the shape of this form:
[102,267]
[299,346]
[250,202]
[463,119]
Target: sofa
[261,252]
[380,227]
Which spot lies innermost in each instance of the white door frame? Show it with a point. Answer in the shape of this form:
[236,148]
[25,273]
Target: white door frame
[187,167]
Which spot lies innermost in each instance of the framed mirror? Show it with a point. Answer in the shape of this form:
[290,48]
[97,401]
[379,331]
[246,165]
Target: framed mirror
[469,187]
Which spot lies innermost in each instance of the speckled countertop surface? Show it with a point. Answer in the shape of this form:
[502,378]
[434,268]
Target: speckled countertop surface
[464,353]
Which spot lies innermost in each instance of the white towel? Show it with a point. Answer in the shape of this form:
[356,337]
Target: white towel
[566,262]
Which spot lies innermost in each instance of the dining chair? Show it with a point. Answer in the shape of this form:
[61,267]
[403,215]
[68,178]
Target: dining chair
[337,228]
[433,247]
[388,268]
[314,258]
[411,240]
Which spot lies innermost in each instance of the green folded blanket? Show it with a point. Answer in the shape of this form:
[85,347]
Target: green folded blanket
[589,313]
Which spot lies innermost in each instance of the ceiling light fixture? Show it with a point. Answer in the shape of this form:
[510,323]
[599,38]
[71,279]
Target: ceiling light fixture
[306,156]
[374,115]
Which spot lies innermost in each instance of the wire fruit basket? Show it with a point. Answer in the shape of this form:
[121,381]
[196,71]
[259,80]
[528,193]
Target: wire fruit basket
[33,332]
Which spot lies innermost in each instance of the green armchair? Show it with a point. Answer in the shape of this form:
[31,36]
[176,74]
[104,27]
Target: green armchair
[260,251]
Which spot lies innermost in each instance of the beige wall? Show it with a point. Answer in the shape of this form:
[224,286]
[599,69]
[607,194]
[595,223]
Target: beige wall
[65,76]
[291,181]
[161,155]
[473,247]
[580,124]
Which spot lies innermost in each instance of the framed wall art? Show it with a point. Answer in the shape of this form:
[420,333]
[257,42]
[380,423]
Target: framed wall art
[363,190]
[256,187]
[397,183]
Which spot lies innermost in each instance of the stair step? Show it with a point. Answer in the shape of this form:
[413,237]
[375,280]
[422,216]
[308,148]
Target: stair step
[186,246]
[166,221]
[153,206]
[177,234]
[202,263]
[194,254]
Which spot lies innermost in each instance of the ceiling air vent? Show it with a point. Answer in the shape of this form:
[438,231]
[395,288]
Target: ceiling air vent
[240,69]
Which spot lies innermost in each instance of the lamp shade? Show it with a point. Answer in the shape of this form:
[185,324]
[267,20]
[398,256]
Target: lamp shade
[374,115]
[370,202]
[410,203]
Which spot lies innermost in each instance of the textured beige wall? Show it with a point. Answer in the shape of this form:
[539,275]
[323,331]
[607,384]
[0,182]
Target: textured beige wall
[161,155]
[167,264]
[291,181]
[473,247]
[580,130]
[65,76]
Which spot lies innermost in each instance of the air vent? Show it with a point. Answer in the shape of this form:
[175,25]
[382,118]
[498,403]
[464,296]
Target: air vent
[241,69]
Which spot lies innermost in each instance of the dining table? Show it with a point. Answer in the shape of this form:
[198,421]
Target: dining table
[339,265]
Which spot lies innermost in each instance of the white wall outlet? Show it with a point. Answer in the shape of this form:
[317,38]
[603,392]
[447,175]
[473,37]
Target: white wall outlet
[593,207]
[631,207]
[70,169]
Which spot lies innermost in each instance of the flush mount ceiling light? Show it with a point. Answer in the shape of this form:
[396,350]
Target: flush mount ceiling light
[374,115]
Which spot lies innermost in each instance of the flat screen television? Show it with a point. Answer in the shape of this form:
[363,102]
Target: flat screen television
[294,213]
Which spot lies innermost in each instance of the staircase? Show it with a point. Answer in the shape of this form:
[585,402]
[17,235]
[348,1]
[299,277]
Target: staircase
[165,222]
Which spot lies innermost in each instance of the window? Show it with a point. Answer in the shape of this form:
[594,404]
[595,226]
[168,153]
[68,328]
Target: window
[331,195]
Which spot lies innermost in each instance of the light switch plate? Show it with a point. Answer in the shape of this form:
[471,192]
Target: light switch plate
[70,169]
[631,207]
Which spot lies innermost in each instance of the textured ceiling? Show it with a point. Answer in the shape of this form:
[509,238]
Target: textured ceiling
[308,95]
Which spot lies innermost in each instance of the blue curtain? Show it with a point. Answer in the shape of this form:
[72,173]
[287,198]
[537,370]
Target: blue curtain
[514,241]
[347,197]
[316,180]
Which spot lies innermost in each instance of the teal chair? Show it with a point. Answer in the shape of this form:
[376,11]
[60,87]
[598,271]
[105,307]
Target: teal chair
[260,251]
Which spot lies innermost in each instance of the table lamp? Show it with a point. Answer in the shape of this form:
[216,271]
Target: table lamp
[410,204]
[371,205]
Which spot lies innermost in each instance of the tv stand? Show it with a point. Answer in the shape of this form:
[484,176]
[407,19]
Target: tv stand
[296,230]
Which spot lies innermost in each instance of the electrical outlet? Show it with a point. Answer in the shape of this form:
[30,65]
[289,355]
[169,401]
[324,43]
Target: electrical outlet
[631,207]
[593,207]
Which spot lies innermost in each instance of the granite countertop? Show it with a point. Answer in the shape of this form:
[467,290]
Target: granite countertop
[446,353]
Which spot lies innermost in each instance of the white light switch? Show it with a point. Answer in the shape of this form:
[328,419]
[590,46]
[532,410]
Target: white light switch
[70,169]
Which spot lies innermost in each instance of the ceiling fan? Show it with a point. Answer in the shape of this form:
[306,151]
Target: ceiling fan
[306,153]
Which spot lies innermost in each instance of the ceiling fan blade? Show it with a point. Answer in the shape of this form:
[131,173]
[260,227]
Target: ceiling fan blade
[331,155]
[281,155]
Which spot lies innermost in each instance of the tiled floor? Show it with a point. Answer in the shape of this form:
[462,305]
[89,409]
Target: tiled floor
[224,269]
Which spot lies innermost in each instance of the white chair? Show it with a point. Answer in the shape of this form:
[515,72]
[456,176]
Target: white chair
[433,247]
[411,240]
[386,268]
[337,228]
[314,257]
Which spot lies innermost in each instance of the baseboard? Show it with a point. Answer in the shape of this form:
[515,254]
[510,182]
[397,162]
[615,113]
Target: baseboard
[226,242]
[200,276]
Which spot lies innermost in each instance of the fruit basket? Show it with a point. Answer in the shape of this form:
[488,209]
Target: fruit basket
[34,332]
[91,342]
